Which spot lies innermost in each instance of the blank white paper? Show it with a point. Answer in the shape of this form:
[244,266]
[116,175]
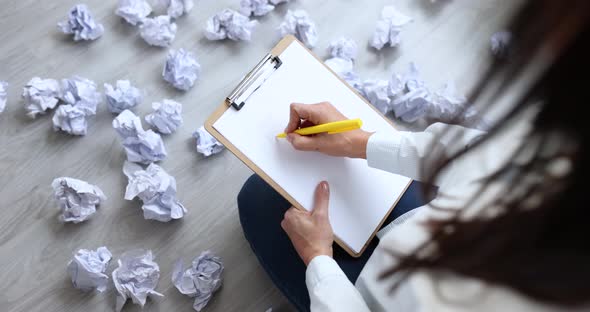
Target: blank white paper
[360,196]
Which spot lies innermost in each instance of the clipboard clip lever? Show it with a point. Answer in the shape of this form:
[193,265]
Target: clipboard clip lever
[253,80]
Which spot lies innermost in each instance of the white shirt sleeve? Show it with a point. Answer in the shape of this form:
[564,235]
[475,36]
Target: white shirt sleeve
[329,288]
[397,152]
[402,152]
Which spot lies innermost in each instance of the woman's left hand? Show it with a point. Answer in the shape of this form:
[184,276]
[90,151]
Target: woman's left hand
[311,232]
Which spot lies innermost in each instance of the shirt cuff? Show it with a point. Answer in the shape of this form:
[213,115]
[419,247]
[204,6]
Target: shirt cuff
[381,146]
[320,268]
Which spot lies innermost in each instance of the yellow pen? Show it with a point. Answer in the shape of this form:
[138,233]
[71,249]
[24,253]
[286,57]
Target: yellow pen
[330,128]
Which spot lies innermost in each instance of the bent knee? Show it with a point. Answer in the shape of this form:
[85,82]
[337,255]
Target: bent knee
[249,190]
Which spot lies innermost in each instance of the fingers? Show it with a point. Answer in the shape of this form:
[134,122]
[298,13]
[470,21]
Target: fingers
[306,123]
[314,113]
[322,200]
[294,119]
[291,216]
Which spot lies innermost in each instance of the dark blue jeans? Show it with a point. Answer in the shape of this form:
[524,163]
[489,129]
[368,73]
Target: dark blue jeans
[261,212]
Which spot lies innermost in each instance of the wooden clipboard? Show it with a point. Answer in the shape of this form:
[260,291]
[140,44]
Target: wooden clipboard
[225,105]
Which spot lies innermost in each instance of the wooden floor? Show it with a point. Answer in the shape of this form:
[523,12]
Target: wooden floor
[448,40]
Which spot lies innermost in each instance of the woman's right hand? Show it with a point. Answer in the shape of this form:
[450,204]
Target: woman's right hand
[351,144]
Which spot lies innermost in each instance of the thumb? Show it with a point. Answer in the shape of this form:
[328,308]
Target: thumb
[322,200]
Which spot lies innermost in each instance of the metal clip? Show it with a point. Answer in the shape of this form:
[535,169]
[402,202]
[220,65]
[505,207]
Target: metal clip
[253,80]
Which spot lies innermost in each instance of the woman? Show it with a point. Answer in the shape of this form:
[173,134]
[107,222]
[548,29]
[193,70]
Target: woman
[508,229]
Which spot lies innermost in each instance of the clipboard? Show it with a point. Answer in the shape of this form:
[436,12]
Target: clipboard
[236,100]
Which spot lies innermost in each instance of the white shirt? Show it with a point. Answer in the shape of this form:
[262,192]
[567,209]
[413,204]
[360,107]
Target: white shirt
[403,153]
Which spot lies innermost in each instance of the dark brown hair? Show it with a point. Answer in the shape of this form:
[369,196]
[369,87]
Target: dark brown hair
[537,241]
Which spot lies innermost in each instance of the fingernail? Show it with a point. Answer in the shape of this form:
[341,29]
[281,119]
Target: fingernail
[290,138]
[325,187]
